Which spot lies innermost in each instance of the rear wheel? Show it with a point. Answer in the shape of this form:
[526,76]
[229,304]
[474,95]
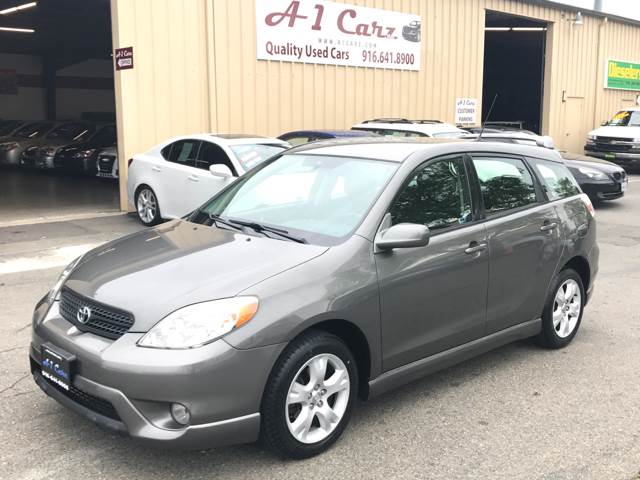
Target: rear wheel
[147,206]
[310,395]
[563,311]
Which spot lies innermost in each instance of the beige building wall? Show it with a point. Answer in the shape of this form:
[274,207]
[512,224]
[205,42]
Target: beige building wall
[195,70]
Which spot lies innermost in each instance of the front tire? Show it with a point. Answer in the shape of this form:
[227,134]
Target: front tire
[309,396]
[147,206]
[563,310]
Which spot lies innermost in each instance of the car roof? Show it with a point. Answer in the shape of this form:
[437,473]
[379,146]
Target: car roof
[401,149]
[227,139]
[327,133]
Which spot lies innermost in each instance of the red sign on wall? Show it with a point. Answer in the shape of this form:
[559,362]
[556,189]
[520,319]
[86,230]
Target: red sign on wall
[124,58]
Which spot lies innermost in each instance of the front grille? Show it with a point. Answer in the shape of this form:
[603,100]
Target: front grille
[104,320]
[105,163]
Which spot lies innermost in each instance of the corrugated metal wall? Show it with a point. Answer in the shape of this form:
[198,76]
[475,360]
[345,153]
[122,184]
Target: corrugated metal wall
[196,70]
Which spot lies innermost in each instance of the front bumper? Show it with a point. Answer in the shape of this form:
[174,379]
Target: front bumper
[129,389]
[621,158]
[66,164]
[604,190]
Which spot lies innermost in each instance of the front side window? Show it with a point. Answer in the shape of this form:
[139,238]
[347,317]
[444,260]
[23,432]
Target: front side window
[505,184]
[106,135]
[320,198]
[437,196]
[212,154]
[184,152]
[252,155]
[557,181]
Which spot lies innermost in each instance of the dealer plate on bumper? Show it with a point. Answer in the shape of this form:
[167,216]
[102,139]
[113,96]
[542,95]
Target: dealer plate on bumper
[56,365]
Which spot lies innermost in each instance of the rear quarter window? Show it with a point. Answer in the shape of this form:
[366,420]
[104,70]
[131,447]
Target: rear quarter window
[556,179]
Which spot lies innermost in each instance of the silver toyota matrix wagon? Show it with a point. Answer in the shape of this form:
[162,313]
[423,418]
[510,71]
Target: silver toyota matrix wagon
[333,271]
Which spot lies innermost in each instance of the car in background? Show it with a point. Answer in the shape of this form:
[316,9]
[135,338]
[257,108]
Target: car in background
[300,137]
[7,127]
[175,177]
[412,32]
[599,179]
[107,163]
[401,127]
[268,313]
[12,147]
[82,158]
[618,140]
[42,151]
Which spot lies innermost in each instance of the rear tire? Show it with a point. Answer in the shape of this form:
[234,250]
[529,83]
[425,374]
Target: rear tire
[563,310]
[147,206]
[309,396]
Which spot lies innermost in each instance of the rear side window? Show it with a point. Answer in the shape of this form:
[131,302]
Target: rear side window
[557,180]
[295,141]
[505,183]
[184,152]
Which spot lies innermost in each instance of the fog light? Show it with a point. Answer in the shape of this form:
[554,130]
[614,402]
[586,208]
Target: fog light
[180,413]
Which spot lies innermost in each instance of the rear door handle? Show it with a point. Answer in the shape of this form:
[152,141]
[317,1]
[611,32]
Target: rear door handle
[156,169]
[193,178]
[475,247]
[548,226]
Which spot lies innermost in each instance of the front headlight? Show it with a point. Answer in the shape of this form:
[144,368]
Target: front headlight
[593,174]
[591,138]
[200,323]
[5,147]
[85,153]
[49,151]
[54,293]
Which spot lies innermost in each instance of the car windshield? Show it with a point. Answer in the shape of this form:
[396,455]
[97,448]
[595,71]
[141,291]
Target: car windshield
[72,131]
[9,126]
[626,118]
[319,198]
[252,155]
[33,130]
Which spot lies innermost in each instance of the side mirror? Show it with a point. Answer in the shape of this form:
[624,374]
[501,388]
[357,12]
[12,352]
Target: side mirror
[604,124]
[403,235]
[220,170]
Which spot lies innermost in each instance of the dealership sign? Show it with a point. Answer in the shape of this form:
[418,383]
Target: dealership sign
[318,31]
[466,111]
[622,75]
[124,58]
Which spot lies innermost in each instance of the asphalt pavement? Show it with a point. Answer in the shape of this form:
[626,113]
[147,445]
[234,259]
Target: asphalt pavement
[519,412]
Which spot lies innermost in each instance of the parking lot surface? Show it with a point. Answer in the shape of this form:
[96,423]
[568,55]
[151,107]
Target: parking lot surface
[519,412]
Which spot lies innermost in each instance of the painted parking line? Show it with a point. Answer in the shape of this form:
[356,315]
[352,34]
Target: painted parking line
[52,258]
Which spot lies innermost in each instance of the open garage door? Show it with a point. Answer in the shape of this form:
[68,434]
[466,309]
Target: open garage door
[57,109]
[514,62]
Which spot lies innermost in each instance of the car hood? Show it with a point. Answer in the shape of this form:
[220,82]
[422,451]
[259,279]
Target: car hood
[621,132]
[157,271]
[577,161]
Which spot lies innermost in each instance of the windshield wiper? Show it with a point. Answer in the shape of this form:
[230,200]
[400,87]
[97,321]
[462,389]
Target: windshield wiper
[216,219]
[258,227]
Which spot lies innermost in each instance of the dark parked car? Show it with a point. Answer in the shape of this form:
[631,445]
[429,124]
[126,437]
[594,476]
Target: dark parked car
[82,157]
[42,152]
[412,31]
[269,309]
[599,179]
[300,137]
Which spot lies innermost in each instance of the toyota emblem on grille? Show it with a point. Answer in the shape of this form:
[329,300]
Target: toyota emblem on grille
[84,314]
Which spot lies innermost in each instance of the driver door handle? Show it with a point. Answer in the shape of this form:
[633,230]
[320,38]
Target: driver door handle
[156,169]
[548,226]
[475,247]
[193,178]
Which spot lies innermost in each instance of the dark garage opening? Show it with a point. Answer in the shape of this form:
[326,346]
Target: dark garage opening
[55,72]
[514,56]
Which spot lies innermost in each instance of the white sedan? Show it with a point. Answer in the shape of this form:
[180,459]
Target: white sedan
[177,176]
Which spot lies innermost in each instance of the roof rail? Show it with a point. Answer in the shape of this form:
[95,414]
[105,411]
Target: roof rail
[426,121]
[544,141]
[388,120]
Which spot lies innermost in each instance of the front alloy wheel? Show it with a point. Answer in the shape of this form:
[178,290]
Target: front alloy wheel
[309,395]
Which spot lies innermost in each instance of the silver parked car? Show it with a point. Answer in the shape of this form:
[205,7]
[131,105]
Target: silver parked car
[41,153]
[335,270]
[12,147]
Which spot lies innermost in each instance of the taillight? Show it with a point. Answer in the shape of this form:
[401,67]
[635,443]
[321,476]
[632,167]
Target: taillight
[587,203]
[129,163]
